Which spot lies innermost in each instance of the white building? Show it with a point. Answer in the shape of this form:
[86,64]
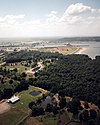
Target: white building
[13,99]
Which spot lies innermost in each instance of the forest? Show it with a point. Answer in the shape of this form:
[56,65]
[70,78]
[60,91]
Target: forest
[11,79]
[68,75]
[72,75]
[29,55]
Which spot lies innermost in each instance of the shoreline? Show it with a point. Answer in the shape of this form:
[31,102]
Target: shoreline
[65,50]
[81,50]
[76,51]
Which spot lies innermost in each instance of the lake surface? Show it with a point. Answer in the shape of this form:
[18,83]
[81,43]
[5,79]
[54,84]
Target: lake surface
[35,93]
[92,48]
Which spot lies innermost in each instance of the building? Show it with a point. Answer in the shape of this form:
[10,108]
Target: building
[13,99]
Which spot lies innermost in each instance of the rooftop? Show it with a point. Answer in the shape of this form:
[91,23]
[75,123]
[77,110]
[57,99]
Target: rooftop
[13,99]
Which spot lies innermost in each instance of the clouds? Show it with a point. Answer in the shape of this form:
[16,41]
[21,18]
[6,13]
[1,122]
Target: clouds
[11,19]
[78,8]
[75,13]
[98,10]
[52,17]
[78,19]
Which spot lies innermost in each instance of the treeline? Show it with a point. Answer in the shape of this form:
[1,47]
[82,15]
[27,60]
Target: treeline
[53,107]
[11,81]
[72,75]
[29,55]
[81,113]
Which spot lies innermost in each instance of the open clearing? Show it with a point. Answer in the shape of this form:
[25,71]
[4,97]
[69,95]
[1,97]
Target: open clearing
[4,107]
[20,109]
[19,67]
[33,121]
[61,49]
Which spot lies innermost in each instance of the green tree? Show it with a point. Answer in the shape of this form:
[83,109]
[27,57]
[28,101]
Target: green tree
[62,102]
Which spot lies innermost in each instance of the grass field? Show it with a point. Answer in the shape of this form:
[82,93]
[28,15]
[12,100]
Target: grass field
[19,67]
[49,120]
[20,109]
[60,118]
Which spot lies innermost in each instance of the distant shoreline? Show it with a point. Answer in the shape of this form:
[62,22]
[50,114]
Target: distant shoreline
[65,50]
[81,50]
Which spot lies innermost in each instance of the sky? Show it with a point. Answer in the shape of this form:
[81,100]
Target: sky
[49,18]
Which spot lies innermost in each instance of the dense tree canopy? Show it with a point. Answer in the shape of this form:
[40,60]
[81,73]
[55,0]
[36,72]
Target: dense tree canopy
[29,55]
[71,75]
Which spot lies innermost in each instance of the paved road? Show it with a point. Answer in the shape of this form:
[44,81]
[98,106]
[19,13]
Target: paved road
[33,72]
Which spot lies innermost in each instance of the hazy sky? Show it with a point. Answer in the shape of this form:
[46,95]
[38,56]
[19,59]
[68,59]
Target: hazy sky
[32,18]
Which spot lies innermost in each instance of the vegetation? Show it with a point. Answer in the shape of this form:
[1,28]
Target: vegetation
[76,76]
[13,77]
[11,82]
[29,55]
[72,75]
[20,109]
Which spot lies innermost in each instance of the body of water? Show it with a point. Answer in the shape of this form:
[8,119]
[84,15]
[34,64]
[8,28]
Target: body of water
[35,93]
[92,48]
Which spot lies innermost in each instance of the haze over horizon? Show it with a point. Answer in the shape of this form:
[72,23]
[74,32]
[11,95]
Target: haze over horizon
[46,18]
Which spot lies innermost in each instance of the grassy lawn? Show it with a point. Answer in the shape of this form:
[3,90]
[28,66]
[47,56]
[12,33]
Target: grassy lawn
[20,109]
[12,117]
[62,119]
[25,97]
[49,120]
[19,67]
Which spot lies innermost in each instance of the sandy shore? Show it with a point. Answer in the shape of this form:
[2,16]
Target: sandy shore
[81,50]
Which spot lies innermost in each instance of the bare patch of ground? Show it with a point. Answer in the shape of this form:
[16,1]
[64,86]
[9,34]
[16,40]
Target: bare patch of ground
[61,49]
[4,107]
[74,123]
[81,50]
[63,118]
[33,121]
